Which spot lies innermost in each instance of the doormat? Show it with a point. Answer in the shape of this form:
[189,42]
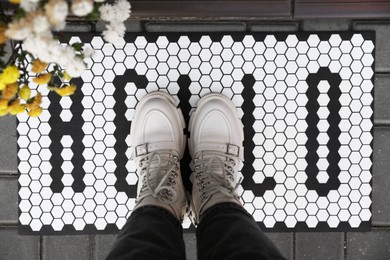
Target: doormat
[305,99]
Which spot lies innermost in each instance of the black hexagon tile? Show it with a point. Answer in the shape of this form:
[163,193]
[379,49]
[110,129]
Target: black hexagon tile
[306,101]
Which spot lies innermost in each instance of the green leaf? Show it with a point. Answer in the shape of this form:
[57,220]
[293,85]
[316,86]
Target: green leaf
[19,13]
[78,46]
[95,14]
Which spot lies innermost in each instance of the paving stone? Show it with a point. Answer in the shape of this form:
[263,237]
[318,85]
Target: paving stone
[284,242]
[66,247]
[382,97]
[274,27]
[15,247]
[368,245]
[103,245]
[195,27]
[326,25]
[381,177]
[8,162]
[319,246]
[131,26]
[9,199]
[77,27]
[191,249]
[382,63]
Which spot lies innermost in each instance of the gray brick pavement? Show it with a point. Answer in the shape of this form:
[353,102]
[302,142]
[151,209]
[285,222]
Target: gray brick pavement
[15,247]
[103,244]
[284,242]
[274,27]
[326,25]
[195,27]
[66,248]
[8,163]
[322,246]
[381,177]
[382,97]
[369,245]
[8,199]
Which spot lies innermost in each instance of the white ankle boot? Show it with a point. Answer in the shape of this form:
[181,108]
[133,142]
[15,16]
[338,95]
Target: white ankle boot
[158,144]
[216,149]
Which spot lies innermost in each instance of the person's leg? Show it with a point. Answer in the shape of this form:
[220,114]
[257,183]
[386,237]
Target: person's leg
[226,230]
[150,233]
[153,230]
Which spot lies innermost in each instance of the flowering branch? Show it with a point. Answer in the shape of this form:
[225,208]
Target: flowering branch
[31,32]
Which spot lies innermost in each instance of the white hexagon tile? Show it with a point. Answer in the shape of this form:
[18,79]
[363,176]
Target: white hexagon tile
[306,101]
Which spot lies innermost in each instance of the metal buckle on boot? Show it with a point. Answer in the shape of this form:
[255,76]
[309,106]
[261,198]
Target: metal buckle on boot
[141,150]
[233,150]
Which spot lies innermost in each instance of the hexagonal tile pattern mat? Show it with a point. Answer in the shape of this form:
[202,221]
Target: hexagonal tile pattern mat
[306,101]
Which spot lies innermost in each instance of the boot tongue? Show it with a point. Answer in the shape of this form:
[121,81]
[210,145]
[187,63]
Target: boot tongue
[158,168]
[216,165]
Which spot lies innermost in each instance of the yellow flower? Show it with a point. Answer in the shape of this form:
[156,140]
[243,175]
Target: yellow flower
[3,112]
[10,74]
[3,38]
[15,1]
[10,91]
[43,79]
[2,85]
[36,112]
[16,108]
[25,92]
[3,104]
[66,90]
[66,77]
[38,66]
[35,102]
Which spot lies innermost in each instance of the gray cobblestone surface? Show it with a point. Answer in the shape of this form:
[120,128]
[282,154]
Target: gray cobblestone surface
[66,247]
[381,177]
[354,245]
[191,27]
[369,245]
[8,162]
[9,198]
[15,247]
[324,246]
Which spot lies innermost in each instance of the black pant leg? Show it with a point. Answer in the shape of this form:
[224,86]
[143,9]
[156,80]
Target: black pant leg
[150,233]
[226,231]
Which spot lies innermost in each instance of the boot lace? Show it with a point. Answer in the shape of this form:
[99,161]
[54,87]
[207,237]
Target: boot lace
[158,173]
[215,174]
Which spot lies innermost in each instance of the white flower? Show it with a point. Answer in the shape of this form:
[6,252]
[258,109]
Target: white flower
[107,12]
[110,36]
[18,30]
[99,1]
[28,5]
[123,10]
[115,30]
[82,7]
[40,24]
[75,68]
[56,11]
[53,52]
[88,52]
[59,27]
[120,11]
[68,54]
[35,45]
